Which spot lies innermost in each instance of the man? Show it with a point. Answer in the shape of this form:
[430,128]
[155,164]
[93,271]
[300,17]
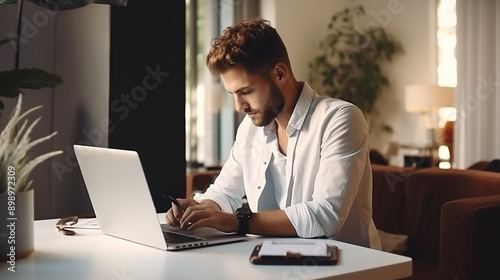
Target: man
[300,159]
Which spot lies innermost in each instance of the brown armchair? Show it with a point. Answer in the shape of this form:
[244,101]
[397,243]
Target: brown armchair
[462,220]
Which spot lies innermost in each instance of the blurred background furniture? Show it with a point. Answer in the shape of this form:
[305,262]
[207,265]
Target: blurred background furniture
[409,201]
[199,181]
[448,218]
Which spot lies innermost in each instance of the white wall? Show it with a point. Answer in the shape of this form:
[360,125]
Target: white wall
[75,45]
[303,24]
[80,106]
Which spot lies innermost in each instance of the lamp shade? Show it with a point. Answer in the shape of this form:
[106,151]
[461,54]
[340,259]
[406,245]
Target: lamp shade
[425,98]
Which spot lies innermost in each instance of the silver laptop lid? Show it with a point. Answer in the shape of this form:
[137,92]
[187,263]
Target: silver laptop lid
[120,194]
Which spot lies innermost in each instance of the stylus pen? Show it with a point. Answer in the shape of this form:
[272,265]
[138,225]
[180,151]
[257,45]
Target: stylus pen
[169,197]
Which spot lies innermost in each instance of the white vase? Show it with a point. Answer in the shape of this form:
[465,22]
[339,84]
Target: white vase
[16,225]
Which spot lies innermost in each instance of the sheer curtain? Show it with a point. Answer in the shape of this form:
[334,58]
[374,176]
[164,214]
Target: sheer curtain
[477,128]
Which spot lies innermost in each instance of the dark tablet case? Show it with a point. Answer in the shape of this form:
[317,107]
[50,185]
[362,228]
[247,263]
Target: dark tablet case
[295,258]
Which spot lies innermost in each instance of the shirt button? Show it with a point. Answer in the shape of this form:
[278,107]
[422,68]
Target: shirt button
[265,162]
[258,187]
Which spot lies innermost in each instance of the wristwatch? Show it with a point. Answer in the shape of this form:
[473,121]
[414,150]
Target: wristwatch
[243,215]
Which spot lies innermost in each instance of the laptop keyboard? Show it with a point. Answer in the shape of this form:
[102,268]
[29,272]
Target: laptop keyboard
[172,237]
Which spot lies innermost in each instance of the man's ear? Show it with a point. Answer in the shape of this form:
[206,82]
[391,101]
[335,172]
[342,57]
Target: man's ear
[280,73]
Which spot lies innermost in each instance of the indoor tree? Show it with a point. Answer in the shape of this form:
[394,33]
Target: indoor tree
[349,67]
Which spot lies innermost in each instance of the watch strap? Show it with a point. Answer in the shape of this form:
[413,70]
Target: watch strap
[243,221]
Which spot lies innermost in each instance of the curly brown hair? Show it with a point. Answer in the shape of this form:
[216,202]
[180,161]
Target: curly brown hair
[253,44]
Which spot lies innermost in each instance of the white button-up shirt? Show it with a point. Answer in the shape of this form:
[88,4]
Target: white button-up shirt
[328,174]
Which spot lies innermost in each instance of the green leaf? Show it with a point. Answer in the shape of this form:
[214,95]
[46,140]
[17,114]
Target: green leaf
[6,39]
[8,91]
[12,81]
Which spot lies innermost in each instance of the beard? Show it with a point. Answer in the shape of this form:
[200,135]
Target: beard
[274,105]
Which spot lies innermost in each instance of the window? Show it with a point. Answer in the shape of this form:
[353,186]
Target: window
[447,62]
[447,68]
[211,120]
[447,40]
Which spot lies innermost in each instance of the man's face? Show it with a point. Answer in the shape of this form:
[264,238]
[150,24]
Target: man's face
[258,98]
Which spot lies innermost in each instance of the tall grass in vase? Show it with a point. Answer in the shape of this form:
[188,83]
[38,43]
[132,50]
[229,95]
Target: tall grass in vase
[15,147]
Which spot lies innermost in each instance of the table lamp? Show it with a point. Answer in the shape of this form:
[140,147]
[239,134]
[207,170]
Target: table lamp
[428,99]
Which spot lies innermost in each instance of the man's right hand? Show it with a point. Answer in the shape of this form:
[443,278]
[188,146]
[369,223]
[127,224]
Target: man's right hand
[206,213]
[174,214]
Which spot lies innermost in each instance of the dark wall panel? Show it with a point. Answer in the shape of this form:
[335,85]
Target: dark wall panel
[147,91]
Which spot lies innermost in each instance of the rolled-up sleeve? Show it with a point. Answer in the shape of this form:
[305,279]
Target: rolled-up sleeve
[336,181]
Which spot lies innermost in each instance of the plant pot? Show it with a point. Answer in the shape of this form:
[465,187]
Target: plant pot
[16,225]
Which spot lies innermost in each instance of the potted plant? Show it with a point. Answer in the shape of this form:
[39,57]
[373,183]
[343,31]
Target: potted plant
[14,140]
[16,188]
[16,161]
[349,67]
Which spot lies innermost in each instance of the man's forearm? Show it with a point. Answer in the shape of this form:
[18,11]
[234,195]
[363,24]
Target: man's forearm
[271,223]
[209,202]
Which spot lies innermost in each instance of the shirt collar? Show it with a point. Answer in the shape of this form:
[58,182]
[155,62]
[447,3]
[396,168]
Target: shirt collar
[299,112]
[301,108]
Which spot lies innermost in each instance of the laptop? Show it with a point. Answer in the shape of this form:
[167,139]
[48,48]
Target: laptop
[124,207]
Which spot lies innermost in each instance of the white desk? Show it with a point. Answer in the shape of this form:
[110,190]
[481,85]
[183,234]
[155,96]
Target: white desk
[92,255]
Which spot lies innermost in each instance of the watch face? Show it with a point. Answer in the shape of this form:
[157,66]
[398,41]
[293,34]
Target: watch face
[244,211]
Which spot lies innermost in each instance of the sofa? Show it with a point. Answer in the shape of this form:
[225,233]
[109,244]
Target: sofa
[449,218]
[446,220]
